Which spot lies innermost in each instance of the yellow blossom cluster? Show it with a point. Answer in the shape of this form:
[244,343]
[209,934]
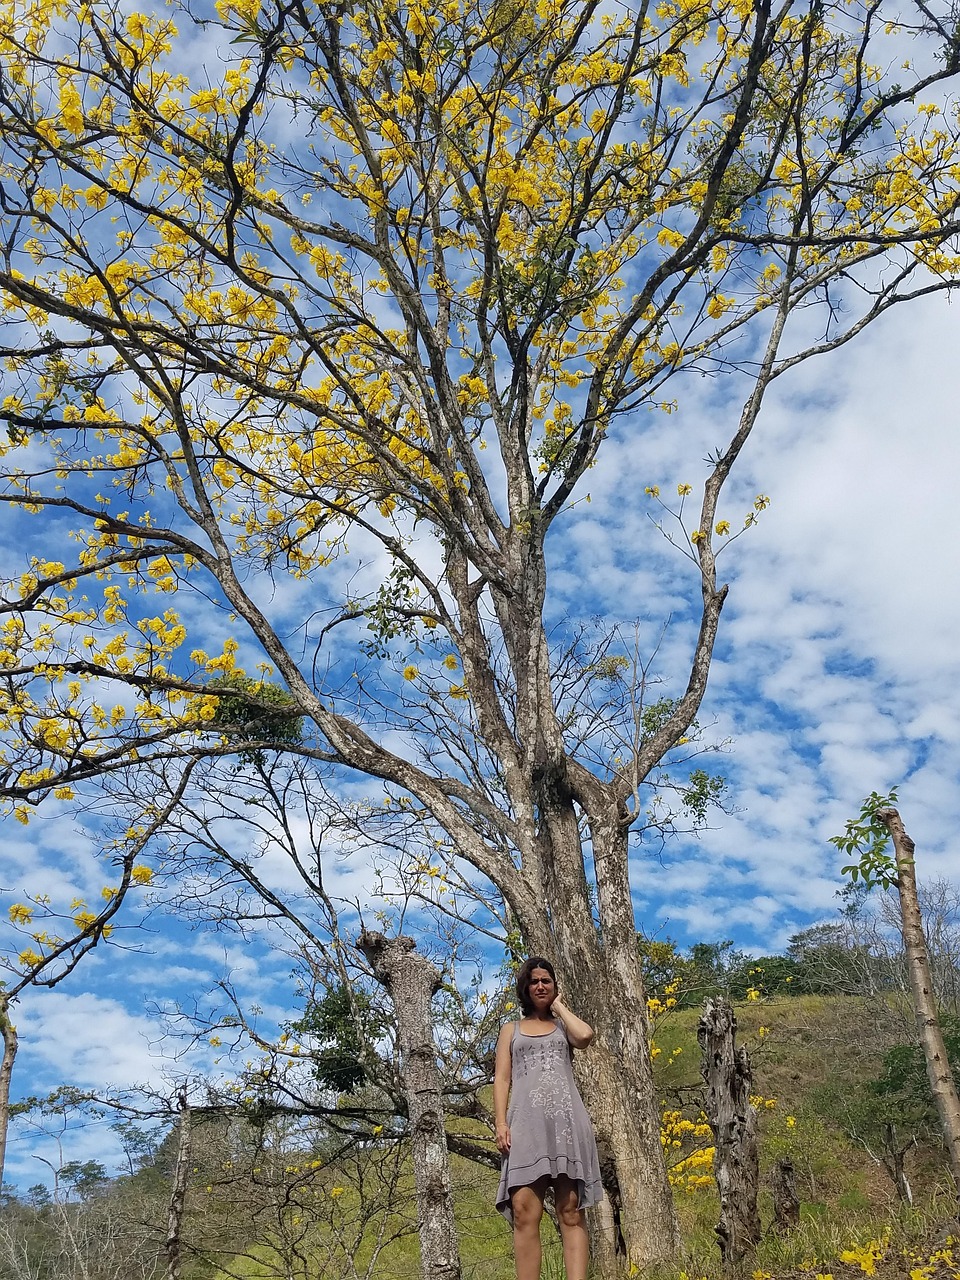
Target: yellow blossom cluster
[866,1256]
[687,1169]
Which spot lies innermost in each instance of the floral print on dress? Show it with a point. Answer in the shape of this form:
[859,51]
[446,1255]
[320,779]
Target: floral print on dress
[550,1130]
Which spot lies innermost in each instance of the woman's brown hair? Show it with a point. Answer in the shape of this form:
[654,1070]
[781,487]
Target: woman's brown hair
[523,980]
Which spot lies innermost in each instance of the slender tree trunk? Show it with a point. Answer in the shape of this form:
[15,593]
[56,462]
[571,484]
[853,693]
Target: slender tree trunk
[10,1043]
[893,1161]
[733,1121]
[173,1245]
[942,1084]
[411,982]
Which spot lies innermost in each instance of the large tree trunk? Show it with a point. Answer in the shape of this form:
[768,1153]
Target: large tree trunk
[733,1121]
[10,1043]
[942,1084]
[638,1226]
[599,973]
[411,982]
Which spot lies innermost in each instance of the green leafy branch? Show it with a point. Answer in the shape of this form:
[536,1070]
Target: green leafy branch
[868,836]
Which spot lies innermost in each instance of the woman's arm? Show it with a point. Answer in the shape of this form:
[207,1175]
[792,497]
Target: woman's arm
[579,1033]
[501,1087]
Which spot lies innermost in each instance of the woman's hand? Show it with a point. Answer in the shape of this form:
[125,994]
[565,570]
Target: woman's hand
[501,1087]
[579,1033]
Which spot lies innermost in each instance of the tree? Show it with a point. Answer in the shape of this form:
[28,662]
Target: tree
[412,983]
[732,1117]
[869,836]
[390,282]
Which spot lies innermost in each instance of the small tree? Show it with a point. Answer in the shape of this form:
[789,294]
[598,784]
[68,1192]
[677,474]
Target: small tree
[870,836]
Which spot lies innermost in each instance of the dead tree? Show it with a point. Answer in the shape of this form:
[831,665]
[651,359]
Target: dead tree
[411,982]
[733,1122]
[173,1243]
[942,1084]
[786,1202]
[10,1042]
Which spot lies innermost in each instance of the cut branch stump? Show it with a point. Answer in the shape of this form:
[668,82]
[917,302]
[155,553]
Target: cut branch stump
[411,982]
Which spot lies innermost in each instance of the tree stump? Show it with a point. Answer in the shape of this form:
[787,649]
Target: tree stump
[411,982]
[733,1122]
[786,1202]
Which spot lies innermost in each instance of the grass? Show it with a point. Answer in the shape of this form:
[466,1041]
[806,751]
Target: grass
[799,1048]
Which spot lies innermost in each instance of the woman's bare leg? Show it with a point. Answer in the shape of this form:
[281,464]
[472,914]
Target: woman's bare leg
[573,1229]
[527,1205]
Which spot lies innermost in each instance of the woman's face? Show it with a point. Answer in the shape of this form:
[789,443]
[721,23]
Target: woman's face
[542,989]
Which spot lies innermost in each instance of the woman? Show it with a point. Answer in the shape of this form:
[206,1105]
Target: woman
[546,1141]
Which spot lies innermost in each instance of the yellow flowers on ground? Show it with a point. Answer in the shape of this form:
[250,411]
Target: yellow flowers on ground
[866,1256]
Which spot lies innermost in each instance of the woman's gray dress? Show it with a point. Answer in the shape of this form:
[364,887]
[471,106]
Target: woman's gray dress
[550,1131]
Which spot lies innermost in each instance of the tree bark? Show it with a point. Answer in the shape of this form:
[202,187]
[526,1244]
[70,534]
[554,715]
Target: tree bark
[599,971]
[173,1244]
[616,1085]
[10,1044]
[411,982]
[786,1202]
[942,1084]
[733,1121]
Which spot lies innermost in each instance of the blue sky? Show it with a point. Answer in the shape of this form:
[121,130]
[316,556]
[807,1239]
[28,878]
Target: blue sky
[837,673]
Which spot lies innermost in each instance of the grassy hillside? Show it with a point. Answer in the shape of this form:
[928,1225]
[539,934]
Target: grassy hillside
[811,1056]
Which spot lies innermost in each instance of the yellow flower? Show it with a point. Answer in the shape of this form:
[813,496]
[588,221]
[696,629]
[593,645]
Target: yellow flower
[723,528]
[19,913]
[450,662]
[653,490]
[697,536]
[336,1192]
[791,1122]
[141,873]
[684,489]
[718,305]
[410,672]
[753,993]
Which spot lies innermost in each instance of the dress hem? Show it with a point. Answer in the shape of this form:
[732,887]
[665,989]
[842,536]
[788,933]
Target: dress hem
[545,1167]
